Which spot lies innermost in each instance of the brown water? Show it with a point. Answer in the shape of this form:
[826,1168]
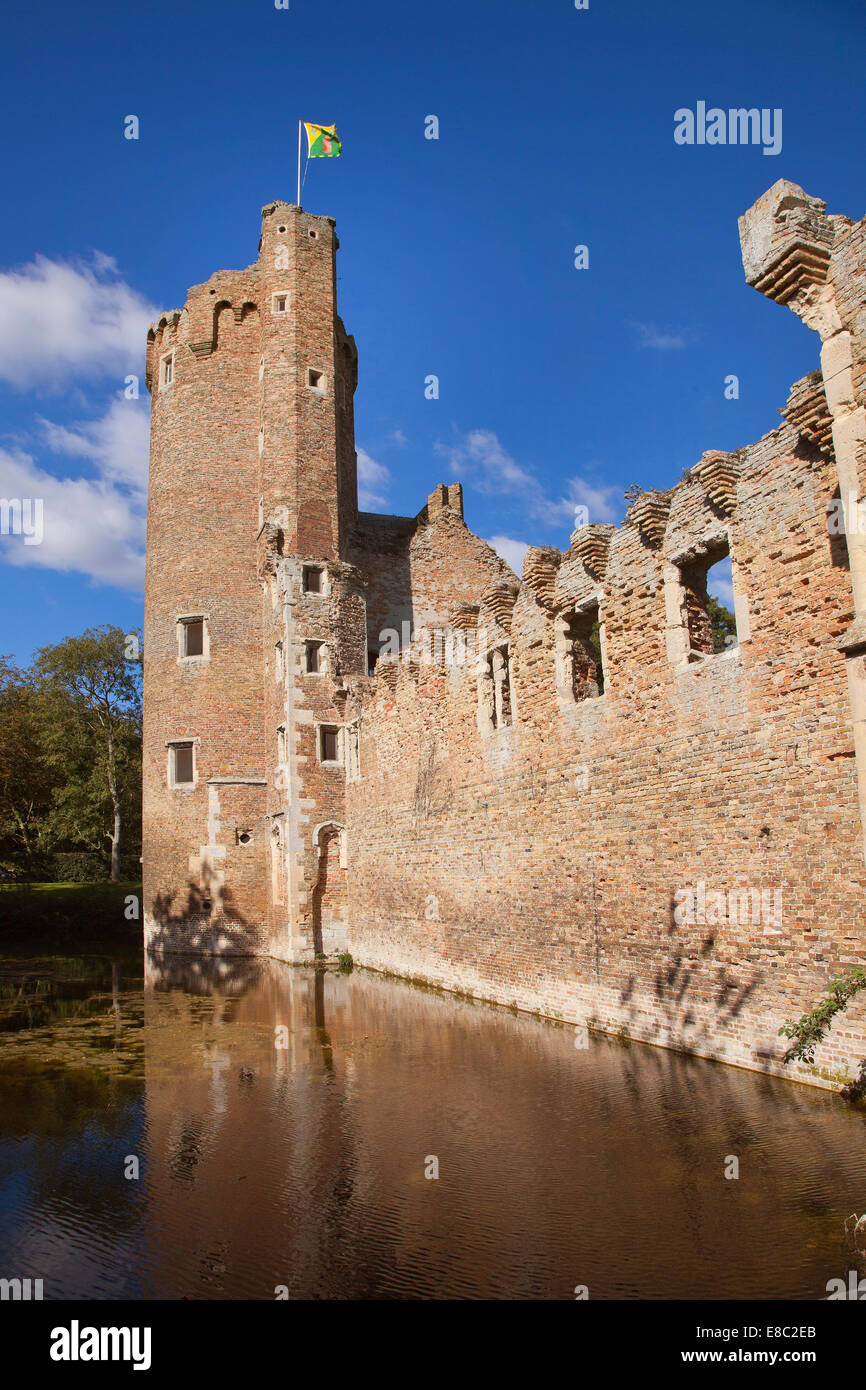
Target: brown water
[304,1165]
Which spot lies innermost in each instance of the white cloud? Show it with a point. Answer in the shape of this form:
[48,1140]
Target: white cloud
[88,525]
[118,443]
[513,552]
[373,481]
[663,339]
[95,525]
[65,320]
[492,470]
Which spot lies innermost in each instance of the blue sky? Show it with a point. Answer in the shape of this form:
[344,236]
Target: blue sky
[557,385]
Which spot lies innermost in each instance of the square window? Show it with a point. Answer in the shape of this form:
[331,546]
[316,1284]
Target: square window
[166,370]
[281,303]
[182,764]
[313,580]
[329,743]
[316,380]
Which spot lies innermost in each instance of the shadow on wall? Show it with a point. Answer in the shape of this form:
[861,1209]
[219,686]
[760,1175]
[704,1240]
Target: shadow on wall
[682,977]
[202,924]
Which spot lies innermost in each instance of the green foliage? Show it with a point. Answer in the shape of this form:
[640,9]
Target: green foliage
[595,643]
[347,965]
[723,624]
[70,756]
[26,782]
[78,866]
[812,1027]
[74,914]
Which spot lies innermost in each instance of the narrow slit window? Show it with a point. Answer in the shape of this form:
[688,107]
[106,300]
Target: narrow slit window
[501,667]
[494,691]
[277,862]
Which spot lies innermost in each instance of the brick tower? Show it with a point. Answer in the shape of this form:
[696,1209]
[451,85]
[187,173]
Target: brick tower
[253,618]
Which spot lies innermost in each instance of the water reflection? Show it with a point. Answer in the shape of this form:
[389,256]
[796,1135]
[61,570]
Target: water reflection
[284,1119]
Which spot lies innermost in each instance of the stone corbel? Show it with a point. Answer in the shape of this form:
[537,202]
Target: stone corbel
[717,474]
[648,514]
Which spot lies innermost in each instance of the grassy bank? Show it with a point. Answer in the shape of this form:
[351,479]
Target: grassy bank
[71,914]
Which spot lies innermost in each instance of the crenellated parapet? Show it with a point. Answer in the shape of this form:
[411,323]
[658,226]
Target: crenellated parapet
[238,291]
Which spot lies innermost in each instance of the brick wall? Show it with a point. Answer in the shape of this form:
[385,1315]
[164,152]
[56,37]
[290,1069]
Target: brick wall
[678,859]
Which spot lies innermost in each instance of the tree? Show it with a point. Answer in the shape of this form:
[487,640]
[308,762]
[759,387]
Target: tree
[90,709]
[809,1030]
[26,780]
[723,624]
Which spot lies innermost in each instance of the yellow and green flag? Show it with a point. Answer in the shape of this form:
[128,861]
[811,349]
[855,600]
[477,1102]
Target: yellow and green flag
[322,141]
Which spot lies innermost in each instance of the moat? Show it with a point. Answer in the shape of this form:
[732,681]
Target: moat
[288,1125]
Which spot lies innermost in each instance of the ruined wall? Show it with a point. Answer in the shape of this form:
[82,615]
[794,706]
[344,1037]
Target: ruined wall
[419,570]
[539,863]
[680,858]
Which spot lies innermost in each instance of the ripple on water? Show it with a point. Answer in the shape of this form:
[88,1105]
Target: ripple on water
[312,1165]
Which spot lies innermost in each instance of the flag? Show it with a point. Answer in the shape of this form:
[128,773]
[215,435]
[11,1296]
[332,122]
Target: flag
[322,140]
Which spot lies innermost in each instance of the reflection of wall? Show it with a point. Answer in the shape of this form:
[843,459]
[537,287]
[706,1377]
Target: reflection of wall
[305,1167]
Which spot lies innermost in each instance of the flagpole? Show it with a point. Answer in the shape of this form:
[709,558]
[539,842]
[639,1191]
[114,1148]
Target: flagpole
[299,163]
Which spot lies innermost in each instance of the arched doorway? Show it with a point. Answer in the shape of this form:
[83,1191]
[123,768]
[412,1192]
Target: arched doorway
[330,892]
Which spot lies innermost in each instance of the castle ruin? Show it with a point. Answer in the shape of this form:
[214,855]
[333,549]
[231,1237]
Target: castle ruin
[550,793]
